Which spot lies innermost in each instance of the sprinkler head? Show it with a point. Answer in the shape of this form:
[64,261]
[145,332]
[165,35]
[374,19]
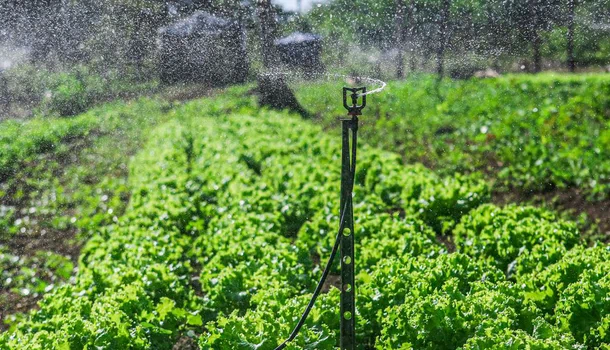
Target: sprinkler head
[355,109]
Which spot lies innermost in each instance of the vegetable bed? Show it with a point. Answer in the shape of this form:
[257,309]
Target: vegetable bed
[527,133]
[231,214]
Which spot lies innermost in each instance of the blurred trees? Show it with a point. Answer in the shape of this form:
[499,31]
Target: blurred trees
[102,33]
[70,31]
[429,33]
[571,5]
[530,18]
[443,35]
[399,36]
[485,32]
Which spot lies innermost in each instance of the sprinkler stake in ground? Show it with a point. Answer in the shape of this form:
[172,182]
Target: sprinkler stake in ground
[345,236]
[348,171]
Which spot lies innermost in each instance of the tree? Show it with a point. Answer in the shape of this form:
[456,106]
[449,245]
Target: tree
[411,33]
[570,35]
[267,22]
[530,18]
[442,36]
[399,34]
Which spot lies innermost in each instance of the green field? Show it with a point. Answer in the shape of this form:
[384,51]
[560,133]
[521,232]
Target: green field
[204,223]
[62,180]
[525,133]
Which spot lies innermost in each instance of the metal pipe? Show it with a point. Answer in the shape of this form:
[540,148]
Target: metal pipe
[348,258]
[348,295]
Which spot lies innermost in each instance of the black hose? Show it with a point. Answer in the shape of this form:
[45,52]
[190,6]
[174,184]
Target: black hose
[316,293]
[333,252]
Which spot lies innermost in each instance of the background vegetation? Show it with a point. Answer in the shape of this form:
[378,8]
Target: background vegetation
[528,134]
[85,52]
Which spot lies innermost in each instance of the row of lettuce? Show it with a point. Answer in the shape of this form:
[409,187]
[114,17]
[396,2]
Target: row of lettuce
[45,163]
[231,214]
[529,133]
[61,179]
[32,90]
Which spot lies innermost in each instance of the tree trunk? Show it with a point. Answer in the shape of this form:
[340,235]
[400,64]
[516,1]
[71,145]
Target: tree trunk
[5,96]
[411,35]
[536,43]
[273,90]
[399,31]
[267,26]
[534,8]
[442,31]
[570,38]
[412,62]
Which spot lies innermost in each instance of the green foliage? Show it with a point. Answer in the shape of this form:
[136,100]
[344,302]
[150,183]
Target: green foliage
[583,308]
[446,318]
[397,286]
[545,337]
[66,92]
[438,201]
[33,275]
[73,92]
[526,133]
[232,213]
[195,201]
[21,141]
[272,323]
[519,239]
[58,173]
[591,46]
[55,196]
[547,286]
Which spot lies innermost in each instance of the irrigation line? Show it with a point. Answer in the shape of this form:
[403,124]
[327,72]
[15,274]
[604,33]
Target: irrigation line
[382,84]
[333,253]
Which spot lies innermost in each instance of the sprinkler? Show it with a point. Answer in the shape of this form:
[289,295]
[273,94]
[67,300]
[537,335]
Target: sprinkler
[346,227]
[345,235]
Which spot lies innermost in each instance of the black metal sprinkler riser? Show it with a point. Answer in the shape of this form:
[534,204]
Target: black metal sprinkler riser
[348,170]
[345,236]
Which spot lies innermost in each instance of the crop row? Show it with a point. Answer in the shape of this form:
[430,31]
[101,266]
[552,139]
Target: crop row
[19,140]
[65,179]
[49,165]
[231,214]
[527,133]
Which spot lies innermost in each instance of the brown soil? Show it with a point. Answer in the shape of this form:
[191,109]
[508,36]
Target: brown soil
[569,201]
[447,241]
[59,242]
[62,242]
[185,343]
[331,281]
[14,303]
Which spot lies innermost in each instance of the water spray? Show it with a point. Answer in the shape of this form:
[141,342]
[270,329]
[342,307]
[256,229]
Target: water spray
[345,234]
